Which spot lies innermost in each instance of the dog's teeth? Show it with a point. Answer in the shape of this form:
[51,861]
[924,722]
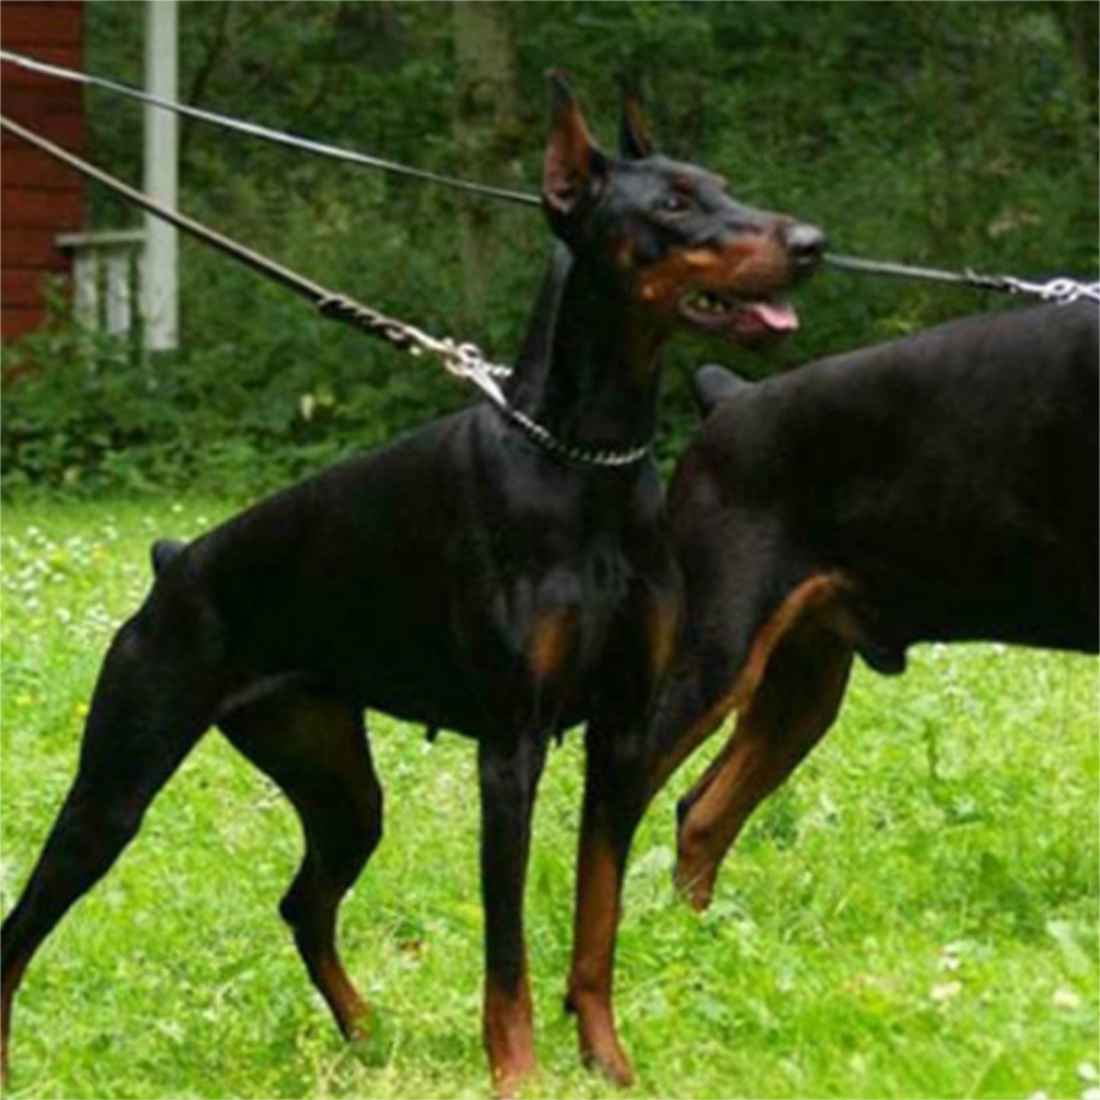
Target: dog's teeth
[705,302]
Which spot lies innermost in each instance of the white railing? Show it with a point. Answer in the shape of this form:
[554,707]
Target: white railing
[107,272]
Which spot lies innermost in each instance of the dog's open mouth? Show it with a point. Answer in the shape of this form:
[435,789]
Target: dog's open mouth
[738,319]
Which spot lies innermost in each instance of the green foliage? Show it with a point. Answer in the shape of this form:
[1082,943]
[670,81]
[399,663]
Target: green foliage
[76,407]
[914,915]
[952,134]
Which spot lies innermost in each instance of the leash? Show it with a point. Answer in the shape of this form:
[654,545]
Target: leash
[465,361]
[278,137]
[1060,289]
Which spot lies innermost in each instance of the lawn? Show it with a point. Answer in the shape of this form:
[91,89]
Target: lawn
[914,916]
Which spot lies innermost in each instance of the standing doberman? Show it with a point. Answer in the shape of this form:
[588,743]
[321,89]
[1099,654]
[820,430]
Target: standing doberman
[938,487]
[477,575]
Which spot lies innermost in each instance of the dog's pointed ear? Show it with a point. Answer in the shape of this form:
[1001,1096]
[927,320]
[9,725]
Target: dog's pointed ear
[635,134]
[573,169]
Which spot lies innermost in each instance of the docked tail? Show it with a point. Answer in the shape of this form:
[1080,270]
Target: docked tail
[163,551]
[713,384]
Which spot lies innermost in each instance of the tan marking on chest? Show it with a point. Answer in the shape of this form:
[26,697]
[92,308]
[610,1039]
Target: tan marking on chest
[662,631]
[553,635]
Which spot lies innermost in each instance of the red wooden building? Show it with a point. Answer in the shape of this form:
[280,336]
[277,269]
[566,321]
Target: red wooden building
[39,198]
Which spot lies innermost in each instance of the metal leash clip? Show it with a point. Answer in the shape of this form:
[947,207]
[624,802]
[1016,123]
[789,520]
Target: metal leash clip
[1062,290]
[462,360]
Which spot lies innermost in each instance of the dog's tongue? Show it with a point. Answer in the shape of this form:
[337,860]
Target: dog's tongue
[777,316]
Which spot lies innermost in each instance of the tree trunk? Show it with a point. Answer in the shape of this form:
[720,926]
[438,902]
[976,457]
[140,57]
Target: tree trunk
[1079,23]
[486,129]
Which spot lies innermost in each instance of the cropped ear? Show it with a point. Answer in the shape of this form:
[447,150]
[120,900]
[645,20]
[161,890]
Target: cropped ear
[573,169]
[635,134]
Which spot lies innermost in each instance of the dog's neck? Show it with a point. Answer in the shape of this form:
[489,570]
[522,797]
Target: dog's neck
[588,370]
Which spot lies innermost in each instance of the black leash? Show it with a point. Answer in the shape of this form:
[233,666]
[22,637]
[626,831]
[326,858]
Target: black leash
[465,361]
[279,137]
[355,313]
[1061,289]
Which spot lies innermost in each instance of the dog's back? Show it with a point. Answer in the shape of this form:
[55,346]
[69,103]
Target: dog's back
[953,473]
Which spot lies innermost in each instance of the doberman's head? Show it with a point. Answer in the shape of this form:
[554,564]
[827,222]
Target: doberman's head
[669,232]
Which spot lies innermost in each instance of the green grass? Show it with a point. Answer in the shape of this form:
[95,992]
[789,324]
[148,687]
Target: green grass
[915,915]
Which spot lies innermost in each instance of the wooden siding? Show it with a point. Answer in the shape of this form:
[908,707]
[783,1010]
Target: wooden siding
[38,197]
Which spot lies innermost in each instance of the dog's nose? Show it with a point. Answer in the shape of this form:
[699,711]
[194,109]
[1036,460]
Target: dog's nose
[805,243]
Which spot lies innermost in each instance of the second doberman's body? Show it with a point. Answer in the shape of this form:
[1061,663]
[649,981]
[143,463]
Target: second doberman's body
[469,577]
[942,487]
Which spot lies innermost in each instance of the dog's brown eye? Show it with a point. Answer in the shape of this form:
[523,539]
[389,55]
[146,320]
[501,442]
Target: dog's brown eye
[673,204]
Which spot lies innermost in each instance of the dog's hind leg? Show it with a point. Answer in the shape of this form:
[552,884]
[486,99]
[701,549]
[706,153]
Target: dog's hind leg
[153,701]
[315,748]
[793,706]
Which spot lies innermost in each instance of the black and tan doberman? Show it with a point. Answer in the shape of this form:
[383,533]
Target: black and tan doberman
[939,487]
[472,577]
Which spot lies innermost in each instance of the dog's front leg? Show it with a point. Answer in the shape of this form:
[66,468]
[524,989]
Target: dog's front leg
[615,796]
[509,775]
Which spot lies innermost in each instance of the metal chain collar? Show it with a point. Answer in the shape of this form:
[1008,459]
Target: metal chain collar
[468,362]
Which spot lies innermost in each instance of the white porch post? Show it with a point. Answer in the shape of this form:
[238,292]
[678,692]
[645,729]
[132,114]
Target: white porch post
[160,307]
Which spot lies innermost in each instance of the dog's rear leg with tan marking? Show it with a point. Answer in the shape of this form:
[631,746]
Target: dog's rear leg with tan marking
[315,748]
[792,689]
